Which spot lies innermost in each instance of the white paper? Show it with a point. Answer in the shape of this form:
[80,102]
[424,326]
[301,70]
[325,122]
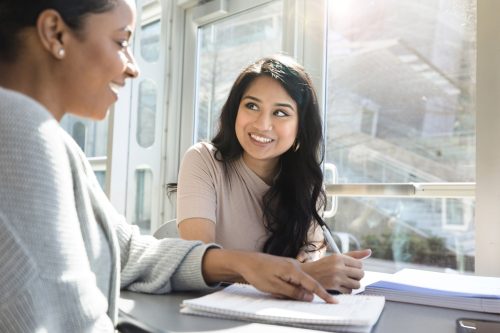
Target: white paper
[244,302]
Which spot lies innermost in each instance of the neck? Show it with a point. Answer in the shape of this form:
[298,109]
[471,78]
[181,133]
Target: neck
[265,169]
[26,76]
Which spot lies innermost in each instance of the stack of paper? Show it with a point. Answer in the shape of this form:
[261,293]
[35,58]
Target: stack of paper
[467,292]
[353,313]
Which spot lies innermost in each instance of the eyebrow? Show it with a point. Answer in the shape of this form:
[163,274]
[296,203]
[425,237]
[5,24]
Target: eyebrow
[286,105]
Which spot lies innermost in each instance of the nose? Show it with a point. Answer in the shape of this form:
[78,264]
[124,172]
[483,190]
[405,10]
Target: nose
[132,70]
[263,121]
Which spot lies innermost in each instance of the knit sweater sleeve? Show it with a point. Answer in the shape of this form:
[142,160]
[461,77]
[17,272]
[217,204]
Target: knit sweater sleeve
[147,264]
[159,266]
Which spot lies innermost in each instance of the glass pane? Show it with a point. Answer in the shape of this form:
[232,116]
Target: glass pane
[101,178]
[91,136]
[146,114]
[401,108]
[142,213]
[402,232]
[225,47]
[150,41]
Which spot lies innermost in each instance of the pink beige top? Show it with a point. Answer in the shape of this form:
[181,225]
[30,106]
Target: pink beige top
[234,204]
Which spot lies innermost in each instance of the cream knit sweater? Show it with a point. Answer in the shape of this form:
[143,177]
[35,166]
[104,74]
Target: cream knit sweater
[64,250]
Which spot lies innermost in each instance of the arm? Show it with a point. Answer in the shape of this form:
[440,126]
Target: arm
[197,229]
[196,195]
[193,266]
[159,266]
[279,276]
[339,272]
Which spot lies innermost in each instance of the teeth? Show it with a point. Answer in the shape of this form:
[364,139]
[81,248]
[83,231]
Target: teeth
[115,87]
[260,138]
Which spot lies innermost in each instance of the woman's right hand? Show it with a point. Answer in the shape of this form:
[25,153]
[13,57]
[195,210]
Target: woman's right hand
[282,277]
[341,272]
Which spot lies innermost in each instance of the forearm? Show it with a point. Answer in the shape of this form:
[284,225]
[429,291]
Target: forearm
[223,265]
[275,275]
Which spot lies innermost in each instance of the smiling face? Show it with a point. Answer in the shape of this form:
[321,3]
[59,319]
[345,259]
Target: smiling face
[98,60]
[266,124]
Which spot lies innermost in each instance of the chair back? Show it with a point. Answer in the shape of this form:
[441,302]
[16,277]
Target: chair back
[167,230]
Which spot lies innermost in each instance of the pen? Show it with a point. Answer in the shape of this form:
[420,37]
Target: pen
[329,239]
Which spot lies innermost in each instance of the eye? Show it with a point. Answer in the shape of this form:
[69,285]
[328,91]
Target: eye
[280,113]
[251,106]
[123,44]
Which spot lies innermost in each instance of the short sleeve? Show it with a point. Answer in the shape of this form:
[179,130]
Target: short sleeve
[196,190]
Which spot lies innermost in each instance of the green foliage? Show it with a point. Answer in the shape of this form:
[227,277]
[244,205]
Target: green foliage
[410,248]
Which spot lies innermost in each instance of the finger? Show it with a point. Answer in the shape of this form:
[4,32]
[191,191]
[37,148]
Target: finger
[354,273]
[288,289]
[313,286]
[352,262]
[361,254]
[344,281]
[351,284]
[278,296]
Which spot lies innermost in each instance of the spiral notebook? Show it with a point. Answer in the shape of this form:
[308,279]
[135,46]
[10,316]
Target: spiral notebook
[353,313]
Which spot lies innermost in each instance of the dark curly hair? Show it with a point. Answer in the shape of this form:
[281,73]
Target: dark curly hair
[15,15]
[291,204]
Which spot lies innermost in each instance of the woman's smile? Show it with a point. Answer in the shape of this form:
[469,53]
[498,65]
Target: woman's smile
[260,139]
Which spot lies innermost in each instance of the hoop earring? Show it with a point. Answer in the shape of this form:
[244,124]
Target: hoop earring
[297,146]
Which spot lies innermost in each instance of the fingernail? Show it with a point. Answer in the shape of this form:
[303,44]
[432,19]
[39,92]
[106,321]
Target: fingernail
[307,297]
[368,255]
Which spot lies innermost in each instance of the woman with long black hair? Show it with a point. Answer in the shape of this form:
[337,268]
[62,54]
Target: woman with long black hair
[258,186]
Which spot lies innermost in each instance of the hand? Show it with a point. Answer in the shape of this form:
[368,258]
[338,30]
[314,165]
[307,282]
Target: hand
[341,272]
[279,276]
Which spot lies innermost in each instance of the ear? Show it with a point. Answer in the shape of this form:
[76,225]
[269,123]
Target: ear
[52,32]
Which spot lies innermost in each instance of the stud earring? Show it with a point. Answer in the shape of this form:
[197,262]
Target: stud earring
[61,53]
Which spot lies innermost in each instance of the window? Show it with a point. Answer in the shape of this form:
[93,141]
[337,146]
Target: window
[401,108]
[146,114]
[150,41]
[143,188]
[224,48]
[92,137]
[138,122]
[397,82]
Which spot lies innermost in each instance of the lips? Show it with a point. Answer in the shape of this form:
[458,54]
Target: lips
[260,139]
[115,87]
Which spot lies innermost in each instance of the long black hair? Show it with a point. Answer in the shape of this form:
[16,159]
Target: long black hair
[291,204]
[15,15]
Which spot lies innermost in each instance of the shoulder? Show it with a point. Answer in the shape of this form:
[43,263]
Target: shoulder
[202,148]
[29,133]
[199,162]
[201,151]
[23,115]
